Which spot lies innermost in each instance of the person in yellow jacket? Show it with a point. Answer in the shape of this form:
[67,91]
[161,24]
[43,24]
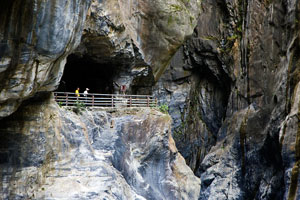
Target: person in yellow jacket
[77,92]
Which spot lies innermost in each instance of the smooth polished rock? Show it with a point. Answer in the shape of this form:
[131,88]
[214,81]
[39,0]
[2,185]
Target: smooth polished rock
[35,39]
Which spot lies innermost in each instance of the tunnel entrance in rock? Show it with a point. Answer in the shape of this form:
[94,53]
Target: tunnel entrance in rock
[83,72]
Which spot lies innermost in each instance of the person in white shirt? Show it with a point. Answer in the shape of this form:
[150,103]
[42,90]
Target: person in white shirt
[85,93]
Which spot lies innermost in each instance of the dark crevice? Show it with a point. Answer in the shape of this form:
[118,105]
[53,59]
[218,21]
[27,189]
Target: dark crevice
[83,72]
[222,81]
[210,114]
[223,8]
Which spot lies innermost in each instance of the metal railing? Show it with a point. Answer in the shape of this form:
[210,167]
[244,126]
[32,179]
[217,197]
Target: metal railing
[104,100]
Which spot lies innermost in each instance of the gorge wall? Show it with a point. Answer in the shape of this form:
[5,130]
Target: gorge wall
[35,39]
[47,152]
[233,95]
[227,69]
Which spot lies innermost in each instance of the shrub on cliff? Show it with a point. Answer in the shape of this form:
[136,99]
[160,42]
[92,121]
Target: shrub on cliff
[79,106]
[164,108]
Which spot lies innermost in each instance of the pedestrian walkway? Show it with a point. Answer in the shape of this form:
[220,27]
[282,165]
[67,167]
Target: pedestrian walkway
[104,100]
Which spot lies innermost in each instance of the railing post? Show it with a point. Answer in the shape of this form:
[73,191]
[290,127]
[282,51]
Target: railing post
[147,101]
[130,101]
[55,96]
[112,100]
[67,99]
[93,100]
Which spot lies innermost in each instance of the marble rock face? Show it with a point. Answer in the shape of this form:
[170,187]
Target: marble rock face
[35,38]
[155,28]
[233,94]
[49,152]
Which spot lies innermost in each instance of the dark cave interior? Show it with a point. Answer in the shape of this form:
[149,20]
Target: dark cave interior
[83,72]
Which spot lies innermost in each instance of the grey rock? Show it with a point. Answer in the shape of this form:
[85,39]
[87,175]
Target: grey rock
[49,152]
[35,38]
[240,103]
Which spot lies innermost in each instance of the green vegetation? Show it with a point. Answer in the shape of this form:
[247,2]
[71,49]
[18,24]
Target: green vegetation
[170,20]
[176,8]
[153,105]
[79,106]
[60,104]
[164,108]
[210,38]
[191,19]
[232,38]
[239,29]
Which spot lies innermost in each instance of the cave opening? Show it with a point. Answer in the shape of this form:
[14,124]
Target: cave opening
[83,72]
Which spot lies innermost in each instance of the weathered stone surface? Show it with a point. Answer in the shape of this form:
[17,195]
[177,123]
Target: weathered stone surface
[135,35]
[169,21]
[289,141]
[241,165]
[52,153]
[232,91]
[35,38]
[197,85]
[245,57]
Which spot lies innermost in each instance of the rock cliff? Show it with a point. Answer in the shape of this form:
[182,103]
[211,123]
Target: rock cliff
[227,69]
[49,152]
[35,39]
[233,95]
[37,36]
[155,28]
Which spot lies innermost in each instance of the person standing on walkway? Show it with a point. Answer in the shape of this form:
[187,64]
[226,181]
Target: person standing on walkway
[123,89]
[77,92]
[85,94]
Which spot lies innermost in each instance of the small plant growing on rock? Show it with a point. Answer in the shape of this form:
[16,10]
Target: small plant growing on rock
[164,108]
[60,104]
[79,106]
[153,105]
